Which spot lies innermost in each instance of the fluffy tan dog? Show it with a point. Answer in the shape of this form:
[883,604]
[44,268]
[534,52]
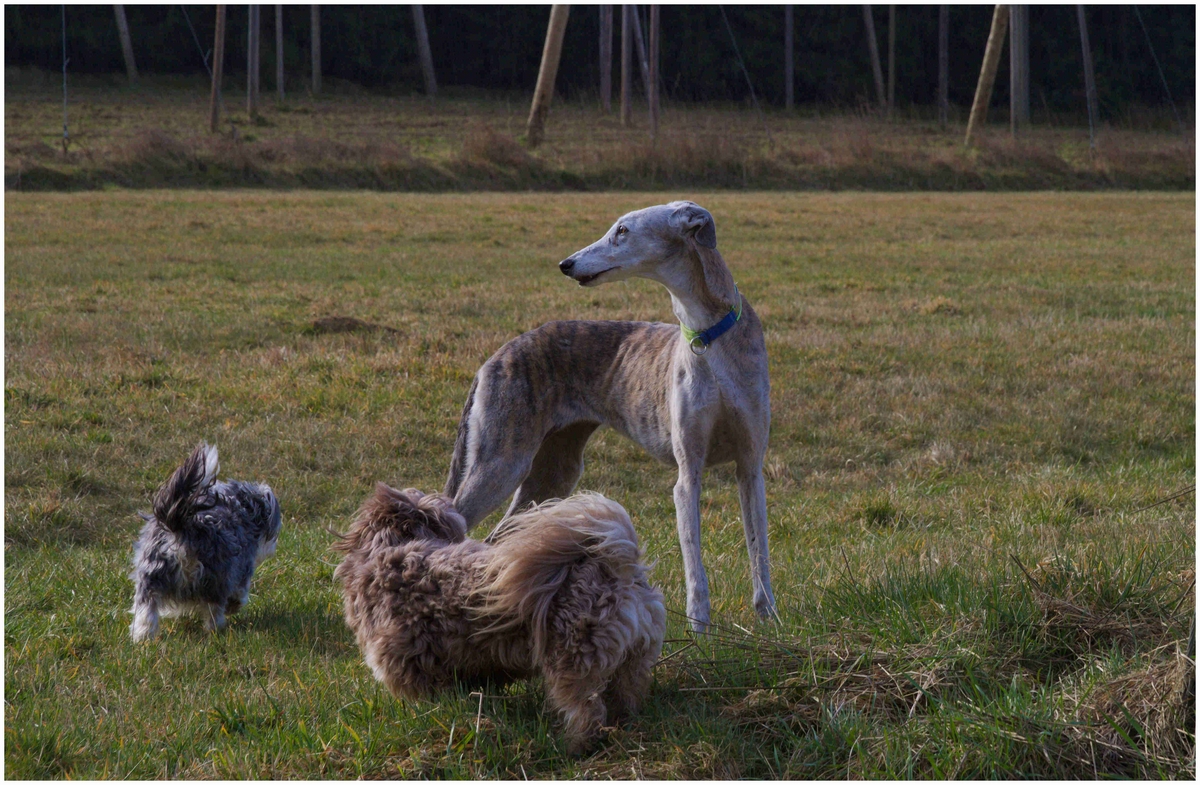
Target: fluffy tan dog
[560,590]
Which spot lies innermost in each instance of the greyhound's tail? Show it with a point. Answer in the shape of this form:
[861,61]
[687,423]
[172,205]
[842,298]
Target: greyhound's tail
[175,500]
[458,463]
[536,552]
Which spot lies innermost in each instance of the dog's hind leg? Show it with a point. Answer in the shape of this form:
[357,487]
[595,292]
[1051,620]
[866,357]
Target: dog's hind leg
[490,459]
[754,521]
[145,617]
[556,467]
[488,484]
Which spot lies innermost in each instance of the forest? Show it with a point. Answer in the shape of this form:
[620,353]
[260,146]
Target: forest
[1144,55]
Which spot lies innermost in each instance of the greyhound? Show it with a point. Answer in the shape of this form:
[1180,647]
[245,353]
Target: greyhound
[692,397]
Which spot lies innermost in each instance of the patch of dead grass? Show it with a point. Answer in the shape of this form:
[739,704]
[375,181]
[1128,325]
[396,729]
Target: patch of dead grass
[484,144]
[158,135]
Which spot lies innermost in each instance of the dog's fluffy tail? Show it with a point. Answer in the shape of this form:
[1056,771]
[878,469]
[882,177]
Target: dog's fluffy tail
[175,501]
[535,551]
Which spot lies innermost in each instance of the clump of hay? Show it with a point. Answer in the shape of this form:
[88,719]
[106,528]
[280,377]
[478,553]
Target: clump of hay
[1066,613]
[154,145]
[801,682]
[1147,716]
[484,144]
[776,470]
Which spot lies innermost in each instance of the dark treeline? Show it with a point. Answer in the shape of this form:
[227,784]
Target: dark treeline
[499,48]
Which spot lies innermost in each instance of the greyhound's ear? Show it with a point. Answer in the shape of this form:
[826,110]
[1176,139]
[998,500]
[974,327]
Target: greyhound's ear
[693,220]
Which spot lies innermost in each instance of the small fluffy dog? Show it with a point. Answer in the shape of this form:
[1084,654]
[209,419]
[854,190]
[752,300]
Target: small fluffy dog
[560,590]
[199,549]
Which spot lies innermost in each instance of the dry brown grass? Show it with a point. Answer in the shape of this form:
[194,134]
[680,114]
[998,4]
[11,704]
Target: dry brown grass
[1143,715]
[485,143]
[157,135]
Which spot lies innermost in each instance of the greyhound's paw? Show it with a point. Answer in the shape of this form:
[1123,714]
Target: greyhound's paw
[699,623]
[764,606]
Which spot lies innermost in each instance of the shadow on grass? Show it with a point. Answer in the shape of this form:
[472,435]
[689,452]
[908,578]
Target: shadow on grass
[318,632]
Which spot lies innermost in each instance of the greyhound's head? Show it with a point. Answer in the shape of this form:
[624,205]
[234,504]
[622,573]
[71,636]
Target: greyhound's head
[643,243]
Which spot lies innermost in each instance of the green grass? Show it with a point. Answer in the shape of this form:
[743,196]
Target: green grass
[157,135]
[973,395]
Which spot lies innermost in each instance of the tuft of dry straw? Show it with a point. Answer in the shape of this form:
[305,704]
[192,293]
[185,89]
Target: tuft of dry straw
[484,144]
[803,680]
[1147,716]
[1089,630]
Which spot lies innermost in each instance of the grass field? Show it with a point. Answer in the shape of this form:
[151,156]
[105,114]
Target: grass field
[974,398]
[157,135]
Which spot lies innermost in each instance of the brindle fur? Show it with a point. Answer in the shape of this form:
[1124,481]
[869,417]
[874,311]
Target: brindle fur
[536,401]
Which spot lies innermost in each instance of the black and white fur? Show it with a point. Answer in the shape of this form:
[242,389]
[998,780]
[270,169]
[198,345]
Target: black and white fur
[199,549]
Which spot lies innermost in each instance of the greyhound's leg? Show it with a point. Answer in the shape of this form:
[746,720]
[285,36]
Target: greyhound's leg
[489,481]
[687,521]
[754,521]
[556,467]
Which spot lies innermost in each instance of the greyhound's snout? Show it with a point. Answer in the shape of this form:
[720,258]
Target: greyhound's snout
[566,265]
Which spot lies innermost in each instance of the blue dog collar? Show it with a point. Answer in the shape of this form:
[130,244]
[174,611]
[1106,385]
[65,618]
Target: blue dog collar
[698,341]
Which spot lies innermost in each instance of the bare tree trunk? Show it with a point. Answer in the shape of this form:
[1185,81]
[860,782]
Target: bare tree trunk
[279,53]
[943,65]
[253,34]
[987,74]
[257,55]
[891,102]
[1089,77]
[873,45]
[218,66]
[606,36]
[653,72]
[626,65]
[316,49]
[789,58]
[66,137]
[544,91]
[641,50]
[1018,67]
[126,42]
[424,52]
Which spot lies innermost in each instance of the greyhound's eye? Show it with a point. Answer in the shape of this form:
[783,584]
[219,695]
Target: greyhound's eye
[621,230]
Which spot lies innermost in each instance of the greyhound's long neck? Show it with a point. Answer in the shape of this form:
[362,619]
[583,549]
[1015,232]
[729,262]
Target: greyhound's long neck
[705,294]
[694,314]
